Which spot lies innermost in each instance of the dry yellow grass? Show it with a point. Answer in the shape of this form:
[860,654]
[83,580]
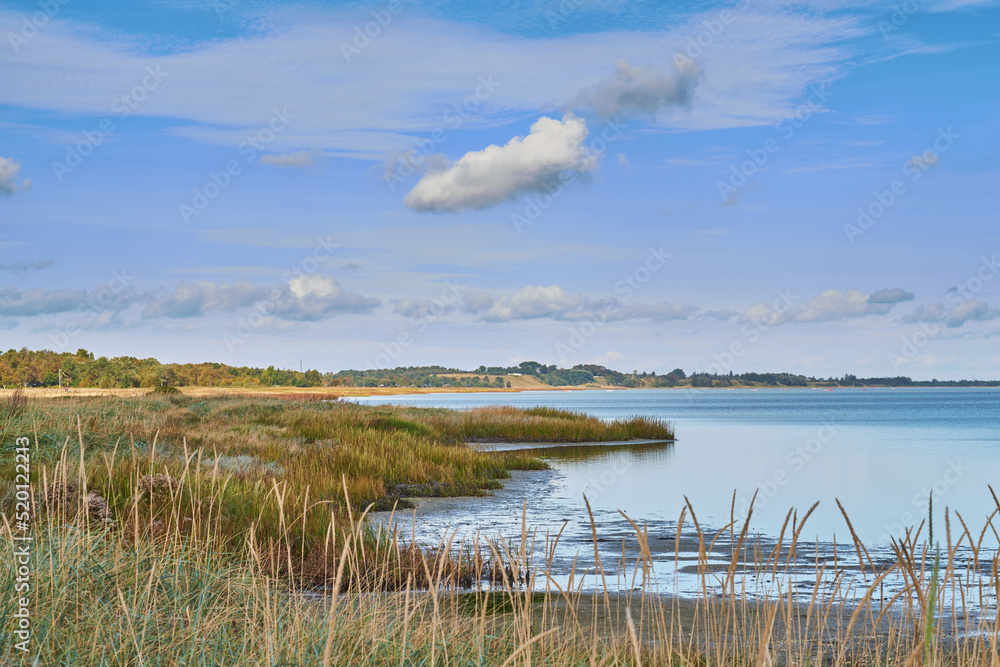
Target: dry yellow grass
[107,595]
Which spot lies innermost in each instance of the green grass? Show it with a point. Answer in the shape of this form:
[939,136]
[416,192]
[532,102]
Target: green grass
[540,424]
[282,466]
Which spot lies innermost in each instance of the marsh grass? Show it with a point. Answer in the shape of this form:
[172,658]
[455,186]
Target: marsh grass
[177,574]
[239,462]
[542,424]
[106,596]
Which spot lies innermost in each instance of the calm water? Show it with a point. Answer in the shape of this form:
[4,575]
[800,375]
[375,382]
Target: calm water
[879,451]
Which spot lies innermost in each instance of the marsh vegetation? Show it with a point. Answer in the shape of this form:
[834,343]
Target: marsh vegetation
[232,531]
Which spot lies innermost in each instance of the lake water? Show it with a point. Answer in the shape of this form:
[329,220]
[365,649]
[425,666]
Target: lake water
[879,451]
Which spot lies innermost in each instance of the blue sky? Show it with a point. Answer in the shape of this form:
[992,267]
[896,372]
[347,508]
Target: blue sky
[807,187]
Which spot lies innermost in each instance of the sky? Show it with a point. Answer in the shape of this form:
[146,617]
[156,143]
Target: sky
[765,185]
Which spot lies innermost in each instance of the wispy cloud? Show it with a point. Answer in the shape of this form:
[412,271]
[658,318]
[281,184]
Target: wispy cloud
[687,162]
[873,119]
[546,302]
[537,301]
[831,305]
[25,267]
[836,164]
[295,159]
[971,310]
[41,301]
[366,108]
[304,298]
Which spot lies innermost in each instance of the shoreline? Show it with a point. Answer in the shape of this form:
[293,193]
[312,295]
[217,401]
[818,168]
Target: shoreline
[484,446]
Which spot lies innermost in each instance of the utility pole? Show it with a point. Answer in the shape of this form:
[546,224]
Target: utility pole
[60,378]
[300,365]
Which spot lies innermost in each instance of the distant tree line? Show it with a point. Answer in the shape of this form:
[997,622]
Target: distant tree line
[80,369]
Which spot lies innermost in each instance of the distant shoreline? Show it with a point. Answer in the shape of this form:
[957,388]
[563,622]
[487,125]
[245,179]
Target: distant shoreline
[332,393]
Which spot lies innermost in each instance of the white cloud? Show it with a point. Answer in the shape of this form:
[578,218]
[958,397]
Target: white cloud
[472,302]
[497,173]
[971,310]
[830,305]
[317,297]
[656,312]
[9,169]
[532,302]
[315,285]
[41,301]
[726,314]
[308,297]
[635,91]
[476,301]
[536,301]
[416,308]
[193,299]
[833,304]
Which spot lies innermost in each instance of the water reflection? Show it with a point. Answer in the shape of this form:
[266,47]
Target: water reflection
[601,455]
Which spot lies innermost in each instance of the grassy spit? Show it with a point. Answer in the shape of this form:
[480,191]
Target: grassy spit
[131,568]
[166,462]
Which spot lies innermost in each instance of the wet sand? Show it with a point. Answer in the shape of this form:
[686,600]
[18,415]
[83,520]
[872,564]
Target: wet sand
[683,581]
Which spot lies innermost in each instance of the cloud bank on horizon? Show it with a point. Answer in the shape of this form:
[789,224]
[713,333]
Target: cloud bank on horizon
[491,194]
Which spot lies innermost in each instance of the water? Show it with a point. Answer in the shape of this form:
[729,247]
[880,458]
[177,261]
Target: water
[879,451]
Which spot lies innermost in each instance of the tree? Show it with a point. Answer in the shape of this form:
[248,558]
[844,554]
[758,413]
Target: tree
[149,379]
[529,367]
